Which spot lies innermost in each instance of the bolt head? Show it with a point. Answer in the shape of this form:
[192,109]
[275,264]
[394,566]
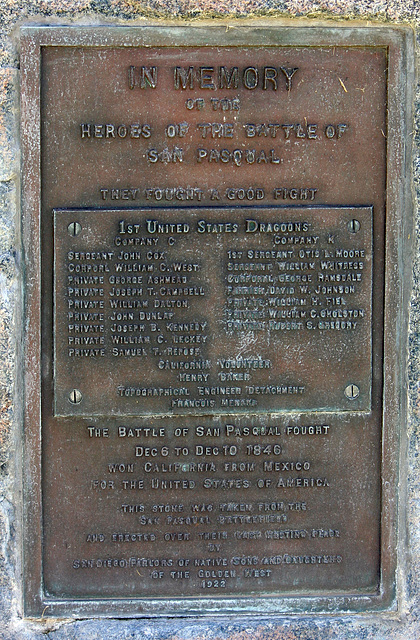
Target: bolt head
[353,226]
[75,396]
[352,391]
[74,229]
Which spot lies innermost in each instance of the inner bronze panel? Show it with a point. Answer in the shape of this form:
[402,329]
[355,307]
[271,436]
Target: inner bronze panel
[212,287]
[133,335]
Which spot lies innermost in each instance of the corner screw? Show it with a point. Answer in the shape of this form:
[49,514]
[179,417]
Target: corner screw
[75,396]
[352,391]
[353,226]
[74,228]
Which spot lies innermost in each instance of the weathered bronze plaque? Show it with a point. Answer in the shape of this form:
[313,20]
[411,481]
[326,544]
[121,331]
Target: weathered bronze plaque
[215,232]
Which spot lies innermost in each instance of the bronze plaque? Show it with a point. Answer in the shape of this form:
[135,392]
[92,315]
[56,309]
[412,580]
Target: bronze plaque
[213,282]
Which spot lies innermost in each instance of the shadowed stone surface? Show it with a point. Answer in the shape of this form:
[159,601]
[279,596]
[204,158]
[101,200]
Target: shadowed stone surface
[405,626]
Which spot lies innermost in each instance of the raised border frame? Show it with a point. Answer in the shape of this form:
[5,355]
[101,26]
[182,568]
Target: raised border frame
[400,46]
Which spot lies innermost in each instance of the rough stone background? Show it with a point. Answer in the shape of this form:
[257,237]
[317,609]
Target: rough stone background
[13,13]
